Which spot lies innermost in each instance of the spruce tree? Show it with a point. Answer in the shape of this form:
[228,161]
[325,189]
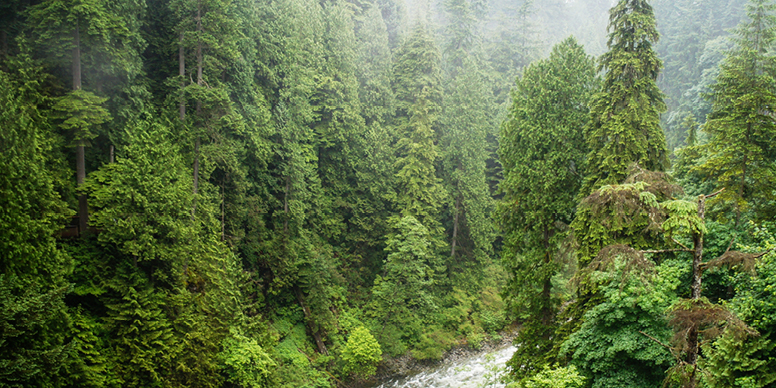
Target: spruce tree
[624,126]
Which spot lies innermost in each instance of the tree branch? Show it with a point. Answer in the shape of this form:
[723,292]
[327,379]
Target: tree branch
[714,194]
[681,245]
[670,349]
[666,250]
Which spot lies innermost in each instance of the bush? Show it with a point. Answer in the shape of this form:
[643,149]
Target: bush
[566,377]
[362,353]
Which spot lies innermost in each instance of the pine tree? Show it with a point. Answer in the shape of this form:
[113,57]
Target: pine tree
[625,115]
[740,127]
[543,153]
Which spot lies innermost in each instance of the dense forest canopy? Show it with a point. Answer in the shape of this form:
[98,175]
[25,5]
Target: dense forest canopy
[292,193]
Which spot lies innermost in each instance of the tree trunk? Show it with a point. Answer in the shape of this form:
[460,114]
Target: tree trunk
[182,74]
[697,256]
[4,40]
[695,293]
[547,286]
[223,210]
[199,103]
[111,158]
[80,159]
[455,226]
[743,181]
[310,322]
[285,205]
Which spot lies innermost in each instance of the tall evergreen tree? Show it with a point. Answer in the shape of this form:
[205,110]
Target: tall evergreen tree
[417,84]
[625,115]
[740,126]
[78,33]
[34,319]
[543,153]
[464,151]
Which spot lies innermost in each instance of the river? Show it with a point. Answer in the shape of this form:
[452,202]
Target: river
[478,370]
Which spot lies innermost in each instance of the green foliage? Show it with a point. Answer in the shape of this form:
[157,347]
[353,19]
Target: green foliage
[620,214]
[417,85]
[362,353]
[562,377]
[542,151]
[740,127]
[609,346]
[32,343]
[245,362]
[402,299]
[91,362]
[463,145]
[81,111]
[748,361]
[625,115]
[32,209]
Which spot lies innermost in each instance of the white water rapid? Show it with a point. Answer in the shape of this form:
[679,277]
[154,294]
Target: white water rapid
[476,371]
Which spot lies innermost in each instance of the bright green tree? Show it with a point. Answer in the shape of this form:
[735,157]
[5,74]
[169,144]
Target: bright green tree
[624,125]
[543,154]
[402,298]
[362,353]
[34,320]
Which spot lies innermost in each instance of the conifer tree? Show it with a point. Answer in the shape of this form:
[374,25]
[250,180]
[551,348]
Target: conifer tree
[33,317]
[625,115]
[416,82]
[402,298]
[74,33]
[464,151]
[741,127]
[543,151]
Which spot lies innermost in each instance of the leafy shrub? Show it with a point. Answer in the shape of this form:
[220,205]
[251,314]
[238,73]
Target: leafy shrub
[362,353]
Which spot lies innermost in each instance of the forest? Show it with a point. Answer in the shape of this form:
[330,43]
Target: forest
[294,193]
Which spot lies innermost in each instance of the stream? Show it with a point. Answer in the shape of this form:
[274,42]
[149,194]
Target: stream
[474,371]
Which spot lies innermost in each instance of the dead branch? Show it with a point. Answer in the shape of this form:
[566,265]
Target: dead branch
[714,194]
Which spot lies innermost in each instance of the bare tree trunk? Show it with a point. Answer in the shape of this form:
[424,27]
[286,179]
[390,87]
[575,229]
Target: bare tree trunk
[455,226]
[111,158]
[80,159]
[223,205]
[4,41]
[695,293]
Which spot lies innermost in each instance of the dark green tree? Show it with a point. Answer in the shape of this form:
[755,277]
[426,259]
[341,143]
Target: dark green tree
[624,126]
[740,127]
[543,154]
[417,84]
